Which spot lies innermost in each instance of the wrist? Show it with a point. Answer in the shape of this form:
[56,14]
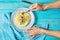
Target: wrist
[43,31]
[45,6]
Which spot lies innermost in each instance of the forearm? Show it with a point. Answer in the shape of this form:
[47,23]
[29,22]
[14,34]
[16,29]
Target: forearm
[52,5]
[52,33]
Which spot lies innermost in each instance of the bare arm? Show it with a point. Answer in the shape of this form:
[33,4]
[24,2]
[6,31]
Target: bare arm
[52,33]
[35,31]
[37,6]
[52,5]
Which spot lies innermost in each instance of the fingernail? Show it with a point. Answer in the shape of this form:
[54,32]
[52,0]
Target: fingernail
[28,10]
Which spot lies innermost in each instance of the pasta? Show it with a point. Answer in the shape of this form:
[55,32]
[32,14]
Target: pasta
[22,19]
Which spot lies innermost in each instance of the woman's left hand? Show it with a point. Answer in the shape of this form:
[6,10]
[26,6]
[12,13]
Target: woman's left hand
[34,31]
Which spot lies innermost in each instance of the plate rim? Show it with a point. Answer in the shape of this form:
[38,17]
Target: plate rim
[14,12]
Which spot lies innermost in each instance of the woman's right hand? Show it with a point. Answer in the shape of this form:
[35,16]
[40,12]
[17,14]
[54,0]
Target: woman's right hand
[36,6]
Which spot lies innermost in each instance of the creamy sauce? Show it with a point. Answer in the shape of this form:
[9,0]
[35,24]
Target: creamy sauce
[22,19]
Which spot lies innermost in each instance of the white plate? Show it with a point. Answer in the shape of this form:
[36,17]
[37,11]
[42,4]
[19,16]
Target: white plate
[22,28]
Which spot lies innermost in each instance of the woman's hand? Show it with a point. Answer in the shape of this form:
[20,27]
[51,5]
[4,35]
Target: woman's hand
[34,31]
[35,7]
[44,6]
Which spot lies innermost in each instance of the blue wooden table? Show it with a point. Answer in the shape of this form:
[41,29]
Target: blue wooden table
[51,16]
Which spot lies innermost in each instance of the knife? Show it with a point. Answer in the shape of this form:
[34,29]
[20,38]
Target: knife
[27,2]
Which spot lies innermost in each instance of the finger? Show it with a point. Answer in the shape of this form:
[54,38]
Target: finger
[32,7]
[30,33]
[30,29]
[25,31]
[32,37]
[38,9]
